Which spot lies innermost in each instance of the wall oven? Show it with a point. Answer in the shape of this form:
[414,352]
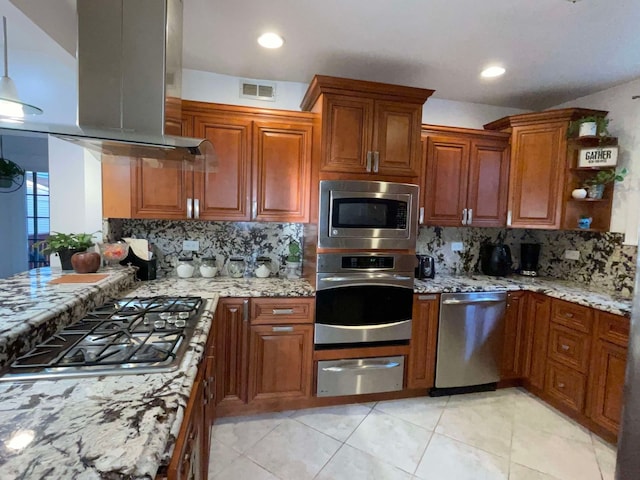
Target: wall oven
[362,299]
[365,215]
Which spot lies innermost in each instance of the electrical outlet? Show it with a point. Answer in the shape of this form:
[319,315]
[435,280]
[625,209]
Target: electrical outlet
[191,245]
[457,247]
[572,254]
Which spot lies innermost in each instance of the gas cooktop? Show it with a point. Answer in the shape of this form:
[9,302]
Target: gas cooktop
[129,335]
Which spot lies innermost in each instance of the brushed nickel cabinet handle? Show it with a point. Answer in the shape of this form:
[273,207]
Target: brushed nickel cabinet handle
[561,385]
[368,161]
[282,311]
[282,329]
[464,216]
[196,208]
[254,209]
[568,315]
[421,220]
[376,161]
[565,347]
[245,310]
[470,216]
[509,218]
[189,208]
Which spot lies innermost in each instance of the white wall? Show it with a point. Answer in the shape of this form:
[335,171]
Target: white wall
[218,88]
[75,187]
[31,154]
[625,124]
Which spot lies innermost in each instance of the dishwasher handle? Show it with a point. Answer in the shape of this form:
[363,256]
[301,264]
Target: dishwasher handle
[470,302]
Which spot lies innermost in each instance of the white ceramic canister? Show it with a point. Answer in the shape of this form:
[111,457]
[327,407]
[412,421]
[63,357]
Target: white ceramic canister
[579,193]
[208,267]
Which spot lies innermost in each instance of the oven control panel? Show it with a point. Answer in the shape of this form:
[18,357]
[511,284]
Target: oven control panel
[366,262]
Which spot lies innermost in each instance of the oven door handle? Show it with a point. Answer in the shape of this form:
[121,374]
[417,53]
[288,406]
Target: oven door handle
[371,365]
[374,276]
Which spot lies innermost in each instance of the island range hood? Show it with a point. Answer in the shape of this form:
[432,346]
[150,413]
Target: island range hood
[129,82]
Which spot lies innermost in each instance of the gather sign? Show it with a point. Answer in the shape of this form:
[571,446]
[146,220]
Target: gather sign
[598,157]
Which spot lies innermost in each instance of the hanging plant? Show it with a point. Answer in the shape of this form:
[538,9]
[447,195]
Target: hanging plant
[11,174]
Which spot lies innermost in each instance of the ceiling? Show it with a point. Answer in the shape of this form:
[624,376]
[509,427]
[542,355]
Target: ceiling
[553,50]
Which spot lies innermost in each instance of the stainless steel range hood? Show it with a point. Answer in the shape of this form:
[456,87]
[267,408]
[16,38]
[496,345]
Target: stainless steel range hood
[129,82]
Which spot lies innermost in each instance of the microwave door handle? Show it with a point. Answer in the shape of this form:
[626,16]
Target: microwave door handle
[369,161]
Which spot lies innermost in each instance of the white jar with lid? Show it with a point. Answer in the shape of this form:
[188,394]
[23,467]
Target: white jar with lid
[208,267]
[185,267]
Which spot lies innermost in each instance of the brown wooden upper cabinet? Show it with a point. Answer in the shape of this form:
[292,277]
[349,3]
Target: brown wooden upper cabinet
[262,170]
[368,129]
[539,166]
[464,178]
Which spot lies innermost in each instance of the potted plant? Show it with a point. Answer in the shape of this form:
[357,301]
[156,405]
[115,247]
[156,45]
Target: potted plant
[293,260]
[10,173]
[65,245]
[589,126]
[595,185]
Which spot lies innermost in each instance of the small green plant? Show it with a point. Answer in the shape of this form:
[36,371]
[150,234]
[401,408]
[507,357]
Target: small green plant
[607,176]
[10,169]
[57,242]
[294,251]
[602,125]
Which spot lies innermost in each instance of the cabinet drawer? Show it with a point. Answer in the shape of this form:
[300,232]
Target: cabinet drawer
[613,328]
[572,315]
[569,347]
[268,311]
[565,385]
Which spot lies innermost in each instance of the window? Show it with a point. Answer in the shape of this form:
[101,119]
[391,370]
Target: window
[37,215]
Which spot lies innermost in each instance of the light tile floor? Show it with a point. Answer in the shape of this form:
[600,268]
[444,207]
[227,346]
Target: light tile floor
[508,434]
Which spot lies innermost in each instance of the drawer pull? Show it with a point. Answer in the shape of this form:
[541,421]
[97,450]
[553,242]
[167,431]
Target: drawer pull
[282,329]
[561,385]
[427,297]
[565,347]
[282,311]
[568,315]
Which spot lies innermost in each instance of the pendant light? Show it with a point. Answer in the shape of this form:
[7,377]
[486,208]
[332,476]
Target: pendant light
[10,104]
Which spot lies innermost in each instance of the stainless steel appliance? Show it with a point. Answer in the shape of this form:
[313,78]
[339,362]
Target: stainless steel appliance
[358,376]
[426,267]
[131,335]
[628,462]
[367,215]
[363,298]
[529,253]
[470,338]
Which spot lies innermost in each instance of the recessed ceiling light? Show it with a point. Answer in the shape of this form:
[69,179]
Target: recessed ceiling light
[270,40]
[491,72]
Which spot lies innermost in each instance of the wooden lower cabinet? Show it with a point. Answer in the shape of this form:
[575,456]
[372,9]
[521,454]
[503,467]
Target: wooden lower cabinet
[280,363]
[538,311]
[514,330]
[565,385]
[264,349]
[424,337]
[607,371]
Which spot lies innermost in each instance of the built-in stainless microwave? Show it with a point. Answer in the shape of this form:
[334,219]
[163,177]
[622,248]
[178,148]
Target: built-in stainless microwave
[358,214]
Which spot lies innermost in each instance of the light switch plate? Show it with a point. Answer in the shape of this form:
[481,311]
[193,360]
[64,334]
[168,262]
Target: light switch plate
[191,245]
[457,247]
[572,254]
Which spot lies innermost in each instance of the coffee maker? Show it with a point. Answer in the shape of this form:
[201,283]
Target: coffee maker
[529,254]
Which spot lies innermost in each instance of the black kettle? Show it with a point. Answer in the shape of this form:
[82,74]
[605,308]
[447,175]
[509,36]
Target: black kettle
[495,259]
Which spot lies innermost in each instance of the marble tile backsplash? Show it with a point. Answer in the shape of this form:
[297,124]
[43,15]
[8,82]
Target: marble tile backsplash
[219,239]
[604,261]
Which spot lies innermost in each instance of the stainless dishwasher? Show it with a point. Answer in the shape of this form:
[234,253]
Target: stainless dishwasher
[470,339]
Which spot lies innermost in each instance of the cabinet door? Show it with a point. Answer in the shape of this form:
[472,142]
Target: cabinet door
[281,172]
[536,339]
[161,191]
[232,334]
[606,384]
[537,175]
[514,331]
[446,180]
[347,123]
[424,337]
[223,188]
[281,361]
[488,183]
[396,138]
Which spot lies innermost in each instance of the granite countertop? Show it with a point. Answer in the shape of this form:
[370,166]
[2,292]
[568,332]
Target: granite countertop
[564,290]
[125,426]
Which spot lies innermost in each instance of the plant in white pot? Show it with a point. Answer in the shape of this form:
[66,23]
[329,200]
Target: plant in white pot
[293,260]
[589,126]
[595,185]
